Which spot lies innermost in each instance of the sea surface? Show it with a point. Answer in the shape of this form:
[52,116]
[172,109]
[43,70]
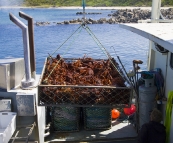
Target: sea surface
[49,39]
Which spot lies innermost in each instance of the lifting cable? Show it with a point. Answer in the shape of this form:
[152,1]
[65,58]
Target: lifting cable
[80,29]
[66,40]
[83,25]
[94,38]
[103,49]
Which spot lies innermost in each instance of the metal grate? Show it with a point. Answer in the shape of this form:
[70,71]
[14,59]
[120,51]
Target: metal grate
[83,96]
[78,95]
[65,119]
[97,118]
[25,139]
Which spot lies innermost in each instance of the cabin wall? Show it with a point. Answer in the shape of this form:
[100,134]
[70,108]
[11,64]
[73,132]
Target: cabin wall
[169,87]
[162,61]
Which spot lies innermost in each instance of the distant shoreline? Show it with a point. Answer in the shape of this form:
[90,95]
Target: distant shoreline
[73,7]
[100,8]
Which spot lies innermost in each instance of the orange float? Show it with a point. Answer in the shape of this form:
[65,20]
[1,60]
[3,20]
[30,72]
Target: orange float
[115,113]
[130,110]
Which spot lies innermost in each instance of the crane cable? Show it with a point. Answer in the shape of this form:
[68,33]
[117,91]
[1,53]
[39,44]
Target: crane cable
[79,30]
[104,50]
[84,17]
[83,25]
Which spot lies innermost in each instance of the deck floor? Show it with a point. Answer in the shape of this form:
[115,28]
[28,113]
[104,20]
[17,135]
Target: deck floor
[119,130]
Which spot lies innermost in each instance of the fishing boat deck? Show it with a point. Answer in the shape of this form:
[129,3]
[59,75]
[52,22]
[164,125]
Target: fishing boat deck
[120,130]
[161,33]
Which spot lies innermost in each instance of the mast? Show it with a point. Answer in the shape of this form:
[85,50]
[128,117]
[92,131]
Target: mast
[155,16]
[155,11]
[83,5]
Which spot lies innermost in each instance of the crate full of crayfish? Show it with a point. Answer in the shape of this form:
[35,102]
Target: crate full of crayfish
[82,82]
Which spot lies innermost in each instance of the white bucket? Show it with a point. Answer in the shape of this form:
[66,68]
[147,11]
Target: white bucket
[7,126]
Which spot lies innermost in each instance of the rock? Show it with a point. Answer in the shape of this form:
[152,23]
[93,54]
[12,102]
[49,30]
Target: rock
[102,20]
[79,13]
[119,16]
[111,21]
[74,21]
[94,22]
[42,23]
[59,23]
[66,22]
[79,20]
[88,22]
[130,14]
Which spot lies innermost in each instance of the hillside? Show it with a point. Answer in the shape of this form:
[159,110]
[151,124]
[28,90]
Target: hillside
[94,3]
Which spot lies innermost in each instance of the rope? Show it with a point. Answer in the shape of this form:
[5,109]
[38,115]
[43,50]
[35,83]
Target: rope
[66,40]
[102,48]
[94,38]
[63,53]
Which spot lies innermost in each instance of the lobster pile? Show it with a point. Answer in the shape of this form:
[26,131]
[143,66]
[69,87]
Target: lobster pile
[83,81]
[84,71]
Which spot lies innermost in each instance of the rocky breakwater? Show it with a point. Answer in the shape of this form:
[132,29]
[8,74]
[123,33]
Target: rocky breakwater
[42,23]
[130,16]
[119,16]
[79,13]
[168,14]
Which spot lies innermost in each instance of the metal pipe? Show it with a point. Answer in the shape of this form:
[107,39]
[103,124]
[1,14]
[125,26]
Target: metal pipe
[31,42]
[83,4]
[27,81]
[155,13]
[46,134]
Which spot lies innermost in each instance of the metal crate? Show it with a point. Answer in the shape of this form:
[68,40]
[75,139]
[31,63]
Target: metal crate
[97,118]
[82,95]
[65,119]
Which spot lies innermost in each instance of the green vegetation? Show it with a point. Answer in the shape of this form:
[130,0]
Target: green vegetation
[94,3]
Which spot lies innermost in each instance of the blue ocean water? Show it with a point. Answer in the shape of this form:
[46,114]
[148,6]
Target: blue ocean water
[117,41]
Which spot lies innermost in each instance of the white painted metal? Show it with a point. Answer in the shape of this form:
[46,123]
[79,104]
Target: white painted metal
[158,20]
[169,87]
[7,126]
[11,73]
[155,13]
[161,33]
[39,130]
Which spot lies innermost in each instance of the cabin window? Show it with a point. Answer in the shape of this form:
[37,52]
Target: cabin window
[171,61]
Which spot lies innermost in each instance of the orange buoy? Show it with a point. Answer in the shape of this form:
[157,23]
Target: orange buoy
[115,113]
